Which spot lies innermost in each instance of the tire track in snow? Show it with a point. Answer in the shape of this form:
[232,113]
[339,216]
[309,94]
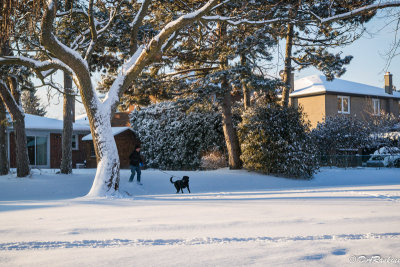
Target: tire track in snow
[45,245]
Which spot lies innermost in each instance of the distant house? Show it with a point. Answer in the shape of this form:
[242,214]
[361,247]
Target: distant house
[124,136]
[126,141]
[320,98]
[44,139]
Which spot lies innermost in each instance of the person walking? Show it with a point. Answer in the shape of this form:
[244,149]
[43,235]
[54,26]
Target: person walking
[135,162]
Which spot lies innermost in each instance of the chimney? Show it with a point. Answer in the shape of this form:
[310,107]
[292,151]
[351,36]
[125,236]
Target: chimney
[388,83]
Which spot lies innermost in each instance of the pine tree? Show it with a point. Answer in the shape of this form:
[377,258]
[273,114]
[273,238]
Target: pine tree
[307,42]
[31,103]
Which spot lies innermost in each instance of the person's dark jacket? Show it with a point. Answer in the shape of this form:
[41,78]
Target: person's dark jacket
[135,159]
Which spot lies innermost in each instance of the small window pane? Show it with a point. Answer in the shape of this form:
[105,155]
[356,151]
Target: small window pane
[377,106]
[41,150]
[92,152]
[74,142]
[345,104]
[339,103]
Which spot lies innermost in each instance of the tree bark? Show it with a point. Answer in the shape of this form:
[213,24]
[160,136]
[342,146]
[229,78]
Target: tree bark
[288,66]
[246,91]
[108,164]
[18,116]
[10,98]
[231,139]
[4,166]
[66,161]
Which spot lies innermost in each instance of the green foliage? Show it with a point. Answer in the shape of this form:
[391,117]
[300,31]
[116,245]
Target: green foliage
[31,104]
[274,140]
[173,137]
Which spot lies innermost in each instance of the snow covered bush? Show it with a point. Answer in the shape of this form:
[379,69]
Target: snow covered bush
[175,138]
[274,140]
[340,132]
[345,132]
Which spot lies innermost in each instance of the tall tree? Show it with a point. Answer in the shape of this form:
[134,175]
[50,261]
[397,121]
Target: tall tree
[68,113]
[11,96]
[12,19]
[307,42]
[4,167]
[100,112]
[31,103]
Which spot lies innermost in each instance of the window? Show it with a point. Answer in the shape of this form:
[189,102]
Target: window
[376,104]
[92,152]
[343,104]
[37,150]
[75,142]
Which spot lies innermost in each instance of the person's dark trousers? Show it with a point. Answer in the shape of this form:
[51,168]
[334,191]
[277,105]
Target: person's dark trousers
[133,170]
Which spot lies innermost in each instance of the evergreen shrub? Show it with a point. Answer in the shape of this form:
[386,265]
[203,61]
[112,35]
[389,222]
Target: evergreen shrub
[275,140]
[176,138]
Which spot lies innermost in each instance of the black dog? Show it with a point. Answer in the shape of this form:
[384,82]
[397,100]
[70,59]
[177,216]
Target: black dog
[180,184]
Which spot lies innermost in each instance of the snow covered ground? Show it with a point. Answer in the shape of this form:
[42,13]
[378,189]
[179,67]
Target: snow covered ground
[232,218]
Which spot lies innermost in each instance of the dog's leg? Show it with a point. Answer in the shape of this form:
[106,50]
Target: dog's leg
[188,188]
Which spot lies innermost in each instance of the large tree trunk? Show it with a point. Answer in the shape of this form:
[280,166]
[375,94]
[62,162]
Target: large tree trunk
[288,65]
[20,135]
[66,161]
[18,118]
[108,164]
[231,139]
[4,167]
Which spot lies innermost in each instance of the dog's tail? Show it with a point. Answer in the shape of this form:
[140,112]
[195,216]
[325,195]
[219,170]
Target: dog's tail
[170,179]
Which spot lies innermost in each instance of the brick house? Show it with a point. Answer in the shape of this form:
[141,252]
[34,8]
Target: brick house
[320,98]
[44,140]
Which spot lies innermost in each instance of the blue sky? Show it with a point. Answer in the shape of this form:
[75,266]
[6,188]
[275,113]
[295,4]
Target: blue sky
[367,66]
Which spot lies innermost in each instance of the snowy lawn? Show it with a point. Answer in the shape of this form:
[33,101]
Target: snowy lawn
[232,218]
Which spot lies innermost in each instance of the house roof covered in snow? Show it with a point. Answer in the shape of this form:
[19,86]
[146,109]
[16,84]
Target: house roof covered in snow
[115,131]
[33,122]
[317,84]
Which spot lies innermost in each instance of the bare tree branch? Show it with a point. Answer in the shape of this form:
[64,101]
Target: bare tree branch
[68,56]
[360,10]
[145,55]
[136,23]
[93,32]
[41,68]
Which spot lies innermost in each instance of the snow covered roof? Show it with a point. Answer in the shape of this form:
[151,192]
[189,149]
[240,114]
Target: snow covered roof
[82,119]
[317,84]
[33,122]
[115,131]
